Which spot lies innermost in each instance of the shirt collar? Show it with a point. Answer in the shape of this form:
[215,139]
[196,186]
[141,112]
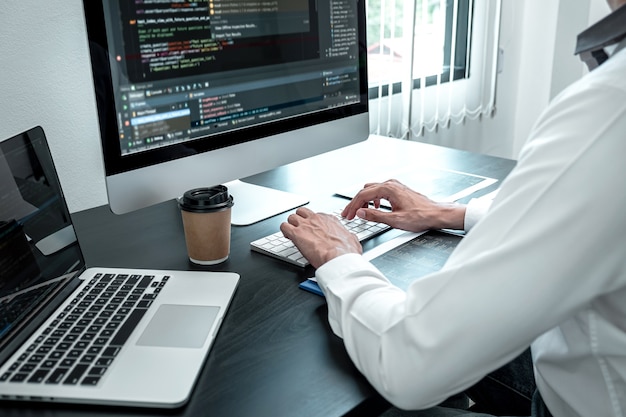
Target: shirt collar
[608,31]
[619,47]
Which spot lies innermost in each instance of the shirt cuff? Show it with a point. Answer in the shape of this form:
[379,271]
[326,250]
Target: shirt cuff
[474,211]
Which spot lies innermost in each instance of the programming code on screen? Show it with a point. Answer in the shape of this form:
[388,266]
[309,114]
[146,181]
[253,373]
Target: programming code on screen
[196,37]
[186,69]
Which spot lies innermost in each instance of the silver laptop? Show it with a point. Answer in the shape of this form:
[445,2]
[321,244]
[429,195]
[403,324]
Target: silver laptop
[97,335]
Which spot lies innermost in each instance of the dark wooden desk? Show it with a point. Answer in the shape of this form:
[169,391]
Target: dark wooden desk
[275,354]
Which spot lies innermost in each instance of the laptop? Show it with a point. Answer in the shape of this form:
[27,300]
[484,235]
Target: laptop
[72,334]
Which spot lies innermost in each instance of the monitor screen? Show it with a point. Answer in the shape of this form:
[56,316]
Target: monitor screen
[200,93]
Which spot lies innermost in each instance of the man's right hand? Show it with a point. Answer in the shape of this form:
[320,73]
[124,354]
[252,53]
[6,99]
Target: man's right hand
[410,210]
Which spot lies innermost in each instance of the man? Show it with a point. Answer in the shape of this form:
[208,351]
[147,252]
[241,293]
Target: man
[545,267]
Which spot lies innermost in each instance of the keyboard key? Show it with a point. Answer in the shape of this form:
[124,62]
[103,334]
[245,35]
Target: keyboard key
[110,352]
[129,325]
[51,341]
[74,354]
[21,377]
[91,380]
[49,364]
[36,358]
[58,354]
[145,281]
[88,358]
[104,362]
[97,371]
[38,376]
[57,376]
[75,375]
[68,363]
[27,368]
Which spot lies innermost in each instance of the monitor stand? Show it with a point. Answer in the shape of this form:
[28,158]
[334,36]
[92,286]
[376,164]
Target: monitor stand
[254,203]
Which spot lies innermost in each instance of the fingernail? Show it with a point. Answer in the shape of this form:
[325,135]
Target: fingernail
[360,213]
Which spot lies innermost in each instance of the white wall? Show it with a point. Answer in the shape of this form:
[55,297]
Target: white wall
[45,80]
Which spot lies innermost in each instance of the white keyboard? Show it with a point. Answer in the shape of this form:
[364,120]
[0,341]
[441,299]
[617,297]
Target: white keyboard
[278,246]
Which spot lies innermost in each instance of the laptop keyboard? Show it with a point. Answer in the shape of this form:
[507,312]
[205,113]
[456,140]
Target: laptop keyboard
[81,343]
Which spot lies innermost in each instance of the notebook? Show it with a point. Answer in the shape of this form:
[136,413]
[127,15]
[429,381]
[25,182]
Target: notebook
[90,335]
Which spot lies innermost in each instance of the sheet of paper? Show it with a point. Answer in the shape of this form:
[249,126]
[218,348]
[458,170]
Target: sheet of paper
[437,184]
[407,257]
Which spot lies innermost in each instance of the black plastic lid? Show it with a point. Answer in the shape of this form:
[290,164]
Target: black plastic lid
[206,200]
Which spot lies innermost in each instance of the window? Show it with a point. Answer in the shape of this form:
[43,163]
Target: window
[427,31]
[420,56]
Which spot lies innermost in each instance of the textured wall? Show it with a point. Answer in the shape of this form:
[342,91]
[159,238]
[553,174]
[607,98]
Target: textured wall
[46,80]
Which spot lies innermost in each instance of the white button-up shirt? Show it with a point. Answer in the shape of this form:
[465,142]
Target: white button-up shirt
[545,266]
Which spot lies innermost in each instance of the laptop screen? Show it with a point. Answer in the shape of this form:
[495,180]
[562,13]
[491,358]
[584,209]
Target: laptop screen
[37,242]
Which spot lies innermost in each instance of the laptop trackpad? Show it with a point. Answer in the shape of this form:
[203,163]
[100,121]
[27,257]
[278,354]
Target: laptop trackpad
[185,326]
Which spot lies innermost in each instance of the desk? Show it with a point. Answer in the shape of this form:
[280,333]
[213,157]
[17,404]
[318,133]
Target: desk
[275,354]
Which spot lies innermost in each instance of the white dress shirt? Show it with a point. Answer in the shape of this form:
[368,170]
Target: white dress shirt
[545,266]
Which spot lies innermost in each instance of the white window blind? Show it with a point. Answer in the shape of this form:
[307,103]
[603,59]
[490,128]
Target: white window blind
[431,63]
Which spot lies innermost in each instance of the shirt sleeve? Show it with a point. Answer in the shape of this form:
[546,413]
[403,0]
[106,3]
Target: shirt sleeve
[520,271]
[475,210]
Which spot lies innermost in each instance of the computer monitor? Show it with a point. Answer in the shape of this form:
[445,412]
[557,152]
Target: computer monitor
[194,94]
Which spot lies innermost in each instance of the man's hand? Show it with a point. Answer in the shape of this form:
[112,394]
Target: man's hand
[410,210]
[319,237]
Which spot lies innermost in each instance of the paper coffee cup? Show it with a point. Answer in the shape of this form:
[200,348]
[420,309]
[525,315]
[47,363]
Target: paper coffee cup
[206,221]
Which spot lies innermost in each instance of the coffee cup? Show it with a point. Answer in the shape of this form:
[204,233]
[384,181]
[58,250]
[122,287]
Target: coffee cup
[206,221]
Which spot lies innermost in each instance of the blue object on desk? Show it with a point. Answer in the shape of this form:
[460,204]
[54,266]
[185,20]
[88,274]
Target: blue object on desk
[311,286]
